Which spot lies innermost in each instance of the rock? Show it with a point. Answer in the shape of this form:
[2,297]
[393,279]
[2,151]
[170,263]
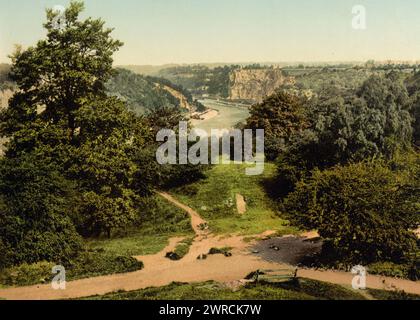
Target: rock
[256,84]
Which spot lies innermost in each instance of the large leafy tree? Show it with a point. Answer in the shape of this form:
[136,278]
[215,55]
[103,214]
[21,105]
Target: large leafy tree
[281,115]
[413,87]
[374,121]
[62,112]
[61,74]
[364,211]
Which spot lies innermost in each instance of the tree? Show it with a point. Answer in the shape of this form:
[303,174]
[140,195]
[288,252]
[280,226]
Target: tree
[374,121]
[281,115]
[36,207]
[61,73]
[149,171]
[62,112]
[413,87]
[364,211]
[416,116]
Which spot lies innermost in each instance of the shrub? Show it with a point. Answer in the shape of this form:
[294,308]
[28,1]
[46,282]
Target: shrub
[94,263]
[27,274]
[181,250]
[36,206]
[363,210]
[225,251]
[389,269]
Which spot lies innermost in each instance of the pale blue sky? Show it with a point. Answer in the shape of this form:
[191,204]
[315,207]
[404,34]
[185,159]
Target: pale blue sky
[194,31]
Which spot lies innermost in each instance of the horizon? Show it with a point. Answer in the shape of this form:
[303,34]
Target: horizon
[158,32]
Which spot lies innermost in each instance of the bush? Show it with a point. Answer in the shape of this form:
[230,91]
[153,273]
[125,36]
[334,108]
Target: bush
[281,115]
[389,269]
[363,210]
[181,250]
[392,295]
[88,264]
[225,251]
[27,274]
[36,206]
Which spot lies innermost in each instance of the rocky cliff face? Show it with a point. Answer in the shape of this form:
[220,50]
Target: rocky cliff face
[256,84]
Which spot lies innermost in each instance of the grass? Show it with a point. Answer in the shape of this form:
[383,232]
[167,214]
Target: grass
[158,222]
[392,295]
[153,234]
[214,199]
[301,289]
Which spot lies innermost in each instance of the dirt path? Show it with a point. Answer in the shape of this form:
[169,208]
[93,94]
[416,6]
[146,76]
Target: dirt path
[160,271]
[196,220]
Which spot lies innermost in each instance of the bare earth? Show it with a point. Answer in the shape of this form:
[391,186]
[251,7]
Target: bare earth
[160,271]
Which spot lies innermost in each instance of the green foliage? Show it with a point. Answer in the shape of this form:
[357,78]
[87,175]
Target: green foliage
[219,83]
[364,212]
[158,220]
[87,264]
[62,113]
[141,93]
[181,249]
[214,199]
[331,80]
[303,289]
[36,211]
[416,117]
[149,171]
[93,264]
[392,295]
[201,79]
[374,122]
[281,116]
[225,251]
[389,269]
[27,274]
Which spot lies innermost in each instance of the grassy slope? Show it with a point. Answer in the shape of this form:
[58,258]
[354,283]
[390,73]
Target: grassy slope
[214,199]
[303,289]
[107,256]
[167,221]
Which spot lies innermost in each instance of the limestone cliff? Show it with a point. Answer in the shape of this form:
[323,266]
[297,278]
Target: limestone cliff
[256,84]
[183,101]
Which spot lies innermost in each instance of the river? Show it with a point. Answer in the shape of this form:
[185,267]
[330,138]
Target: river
[229,114]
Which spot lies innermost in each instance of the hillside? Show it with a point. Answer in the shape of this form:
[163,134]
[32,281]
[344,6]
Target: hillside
[256,84]
[143,93]
[233,82]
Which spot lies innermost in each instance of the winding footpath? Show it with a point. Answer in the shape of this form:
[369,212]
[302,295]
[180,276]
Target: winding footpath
[160,271]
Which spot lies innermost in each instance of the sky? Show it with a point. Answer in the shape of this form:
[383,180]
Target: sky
[205,31]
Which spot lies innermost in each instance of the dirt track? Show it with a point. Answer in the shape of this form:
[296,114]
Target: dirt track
[160,271]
